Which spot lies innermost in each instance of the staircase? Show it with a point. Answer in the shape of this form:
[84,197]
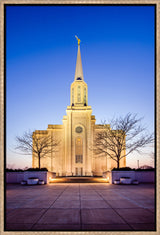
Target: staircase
[78,180]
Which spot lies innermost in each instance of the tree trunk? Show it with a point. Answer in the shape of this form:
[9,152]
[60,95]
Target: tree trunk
[118,164]
[39,162]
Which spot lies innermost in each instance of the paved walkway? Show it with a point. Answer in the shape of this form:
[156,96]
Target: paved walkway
[78,206]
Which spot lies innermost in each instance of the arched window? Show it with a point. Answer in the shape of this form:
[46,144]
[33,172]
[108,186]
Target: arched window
[79,93]
[79,150]
[79,78]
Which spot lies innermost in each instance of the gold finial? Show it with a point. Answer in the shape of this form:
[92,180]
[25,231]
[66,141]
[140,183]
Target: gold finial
[78,40]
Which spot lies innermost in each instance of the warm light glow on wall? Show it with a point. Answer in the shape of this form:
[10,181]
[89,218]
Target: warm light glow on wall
[51,179]
[106,179]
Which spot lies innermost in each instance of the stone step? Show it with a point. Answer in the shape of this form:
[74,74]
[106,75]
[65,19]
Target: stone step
[79,180]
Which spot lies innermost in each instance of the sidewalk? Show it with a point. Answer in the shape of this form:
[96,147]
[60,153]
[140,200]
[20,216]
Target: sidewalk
[78,206]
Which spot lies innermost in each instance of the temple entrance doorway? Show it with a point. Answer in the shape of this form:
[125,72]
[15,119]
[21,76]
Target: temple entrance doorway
[79,171]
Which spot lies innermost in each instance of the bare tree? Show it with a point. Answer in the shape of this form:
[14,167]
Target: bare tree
[123,136]
[39,143]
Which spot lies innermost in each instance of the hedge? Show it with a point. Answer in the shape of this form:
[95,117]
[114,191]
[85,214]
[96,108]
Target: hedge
[29,169]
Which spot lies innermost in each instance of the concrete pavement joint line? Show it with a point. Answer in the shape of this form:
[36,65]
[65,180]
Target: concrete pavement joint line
[116,212]
[127,208]
[150,210]
[132,201]
[122,218]
[48,207]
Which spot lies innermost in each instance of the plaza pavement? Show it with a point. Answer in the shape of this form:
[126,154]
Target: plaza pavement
[80,206]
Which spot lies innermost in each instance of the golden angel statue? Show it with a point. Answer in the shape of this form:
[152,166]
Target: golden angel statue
[78,40]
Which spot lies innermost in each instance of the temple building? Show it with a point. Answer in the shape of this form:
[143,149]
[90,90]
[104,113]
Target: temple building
[74,155]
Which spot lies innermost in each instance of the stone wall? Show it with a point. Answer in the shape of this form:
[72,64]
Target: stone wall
[141,176]
[145,176]
[17,177]
[14,177]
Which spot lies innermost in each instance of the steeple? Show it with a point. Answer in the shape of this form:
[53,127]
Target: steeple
[79,90]
[79,71]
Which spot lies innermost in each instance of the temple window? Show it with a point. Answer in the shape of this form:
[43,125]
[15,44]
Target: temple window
[79,94]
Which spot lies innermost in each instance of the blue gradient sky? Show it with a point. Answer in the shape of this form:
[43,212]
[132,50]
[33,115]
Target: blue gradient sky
[117,49]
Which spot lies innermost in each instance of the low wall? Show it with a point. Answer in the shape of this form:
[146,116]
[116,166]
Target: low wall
[141,176]
[14,177]
[17,177]
[145,176]
[116,175]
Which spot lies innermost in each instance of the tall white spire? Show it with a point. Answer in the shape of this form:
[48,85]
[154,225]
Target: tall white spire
[79,70]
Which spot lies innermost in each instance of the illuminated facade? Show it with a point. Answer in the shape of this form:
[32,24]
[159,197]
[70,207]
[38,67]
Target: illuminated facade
[74,155]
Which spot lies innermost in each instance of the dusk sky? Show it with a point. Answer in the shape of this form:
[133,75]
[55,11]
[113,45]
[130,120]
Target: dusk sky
[117,49]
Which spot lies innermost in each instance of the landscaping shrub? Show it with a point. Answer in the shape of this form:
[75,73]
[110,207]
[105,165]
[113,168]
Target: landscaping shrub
[29,169]
[123,169]
[131,169]
[139,169]
[37,169]
[14,170]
